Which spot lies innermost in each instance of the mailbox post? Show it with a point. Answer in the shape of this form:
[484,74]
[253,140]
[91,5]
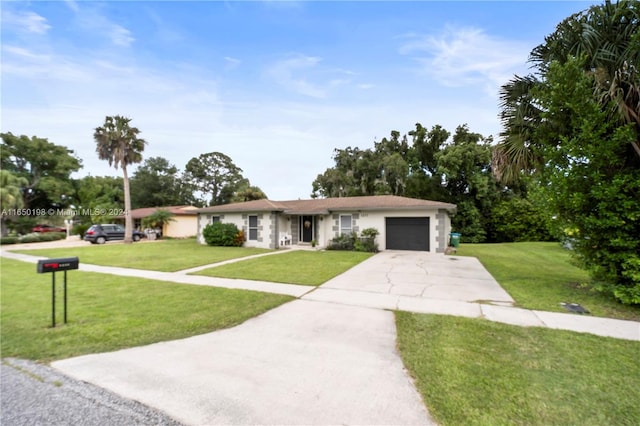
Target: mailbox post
[52,266]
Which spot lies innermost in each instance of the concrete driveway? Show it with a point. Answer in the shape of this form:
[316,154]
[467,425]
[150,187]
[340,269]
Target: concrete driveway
[302,363]
[306,362]
[391,279]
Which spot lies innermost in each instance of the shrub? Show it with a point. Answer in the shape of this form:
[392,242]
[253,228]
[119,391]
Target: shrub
[30,238]
[343,242]
[239,239]
[9,240]
[80,229]
[367,241]
[53,236]
[223,234]
[518,220]
[349,242]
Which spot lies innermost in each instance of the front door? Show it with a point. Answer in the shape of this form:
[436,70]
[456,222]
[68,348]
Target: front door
[306,229]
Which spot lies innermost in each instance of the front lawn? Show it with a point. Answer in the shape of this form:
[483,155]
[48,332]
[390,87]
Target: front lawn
[477,372]
[164,256]
[108,312]
[295,267]
[540,276]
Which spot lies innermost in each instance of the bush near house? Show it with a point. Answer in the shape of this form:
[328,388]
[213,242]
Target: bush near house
[223,234]
[366,242]
[33,238]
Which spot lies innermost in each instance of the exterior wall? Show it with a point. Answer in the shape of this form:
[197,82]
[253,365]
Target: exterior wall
[439,225]
[327,227]
[181,227]
[267,225]
[443,229]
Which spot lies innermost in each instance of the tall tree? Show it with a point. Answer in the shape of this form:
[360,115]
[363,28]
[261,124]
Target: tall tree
[45,166]
[607,38]
[465,168]
[244,191]
[575,124]
[157,183]
[118,143]
[211,173]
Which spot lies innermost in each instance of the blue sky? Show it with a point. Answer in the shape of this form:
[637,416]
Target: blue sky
[275,85]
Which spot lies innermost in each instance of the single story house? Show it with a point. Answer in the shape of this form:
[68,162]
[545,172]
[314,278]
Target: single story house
[184,223]
[403,223]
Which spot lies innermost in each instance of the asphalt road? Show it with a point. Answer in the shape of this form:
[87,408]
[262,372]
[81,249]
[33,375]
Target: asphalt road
[34,394]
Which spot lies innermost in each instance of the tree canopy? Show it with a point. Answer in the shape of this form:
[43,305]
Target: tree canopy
[158,183]
[45,167]
[574,126]
[428,164]
[214,175]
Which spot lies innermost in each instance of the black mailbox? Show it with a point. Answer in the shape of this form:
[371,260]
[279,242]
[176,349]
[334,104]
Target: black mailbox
[55,265]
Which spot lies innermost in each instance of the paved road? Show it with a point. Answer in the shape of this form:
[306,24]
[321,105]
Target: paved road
[34,394]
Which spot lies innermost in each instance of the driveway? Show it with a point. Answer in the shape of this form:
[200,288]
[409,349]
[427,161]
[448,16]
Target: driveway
[302,363]
[391,279]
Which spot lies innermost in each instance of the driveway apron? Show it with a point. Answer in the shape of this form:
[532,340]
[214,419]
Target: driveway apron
[393,276]
[305,362]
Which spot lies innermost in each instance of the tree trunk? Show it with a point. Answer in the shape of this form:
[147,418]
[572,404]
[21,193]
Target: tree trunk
[128,221]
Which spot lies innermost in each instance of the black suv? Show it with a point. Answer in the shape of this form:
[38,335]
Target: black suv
[100,234]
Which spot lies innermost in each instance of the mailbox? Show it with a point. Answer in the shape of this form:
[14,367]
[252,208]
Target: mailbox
[55,265]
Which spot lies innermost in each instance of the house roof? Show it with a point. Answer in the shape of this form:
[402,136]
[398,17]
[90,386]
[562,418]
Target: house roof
[176,210]
[328,205]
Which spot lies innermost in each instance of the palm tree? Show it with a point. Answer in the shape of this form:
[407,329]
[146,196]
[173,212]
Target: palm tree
[520,116]
[158,219]
[119,144]
[606,37]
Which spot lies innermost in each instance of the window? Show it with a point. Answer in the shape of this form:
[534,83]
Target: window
[345,224]
[215,219]
[253,228]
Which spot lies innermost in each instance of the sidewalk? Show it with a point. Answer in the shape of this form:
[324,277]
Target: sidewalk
[347,290]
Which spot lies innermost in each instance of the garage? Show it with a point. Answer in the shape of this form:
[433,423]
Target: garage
[407,233]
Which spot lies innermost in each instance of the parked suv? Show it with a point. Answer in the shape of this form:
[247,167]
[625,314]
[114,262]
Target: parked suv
[100,234]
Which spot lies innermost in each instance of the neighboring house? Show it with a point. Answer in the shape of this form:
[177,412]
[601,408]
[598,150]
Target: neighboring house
[184,223]
[403,223]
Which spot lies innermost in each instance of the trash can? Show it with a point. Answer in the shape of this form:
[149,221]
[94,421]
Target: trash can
[455,239]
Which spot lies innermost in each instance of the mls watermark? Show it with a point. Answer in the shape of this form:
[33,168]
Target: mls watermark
[63,212]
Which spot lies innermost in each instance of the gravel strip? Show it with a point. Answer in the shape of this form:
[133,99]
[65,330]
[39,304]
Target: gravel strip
[35,394]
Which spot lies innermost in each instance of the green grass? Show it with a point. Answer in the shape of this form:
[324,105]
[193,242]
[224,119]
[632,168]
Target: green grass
[107,312]
[296,267]
[540,276]
[477,372]
[164,256]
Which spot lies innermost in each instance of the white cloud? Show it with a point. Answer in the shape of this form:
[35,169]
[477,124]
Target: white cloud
[91,18]
[72,4]
[287,73]
[466,56]
[28,22]
[232,62]
[120,36]
[306,76]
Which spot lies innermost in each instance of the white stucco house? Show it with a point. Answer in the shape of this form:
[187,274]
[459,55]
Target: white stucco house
[403,223]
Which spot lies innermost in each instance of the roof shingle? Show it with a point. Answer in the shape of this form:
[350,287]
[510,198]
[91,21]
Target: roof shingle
[327,205]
